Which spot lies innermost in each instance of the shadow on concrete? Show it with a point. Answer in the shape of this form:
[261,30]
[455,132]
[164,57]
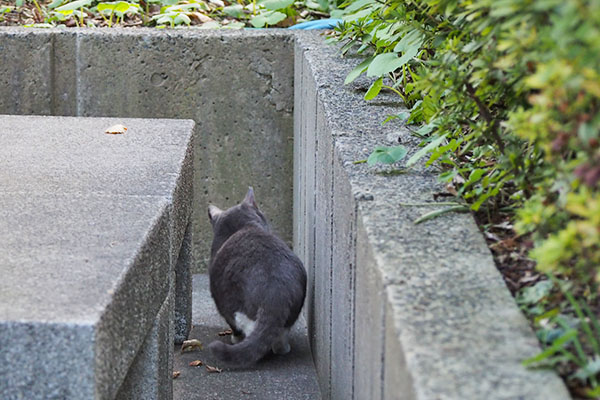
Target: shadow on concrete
[275,377]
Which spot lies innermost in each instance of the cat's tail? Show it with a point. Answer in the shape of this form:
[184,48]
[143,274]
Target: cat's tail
[252,348]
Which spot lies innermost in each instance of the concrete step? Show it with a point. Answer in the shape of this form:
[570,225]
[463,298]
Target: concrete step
[276,377]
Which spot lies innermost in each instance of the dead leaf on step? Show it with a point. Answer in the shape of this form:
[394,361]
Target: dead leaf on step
[116,129]
[196,363]
[176,374]
[213,369]
[191,345]
[226,332]
[201,17]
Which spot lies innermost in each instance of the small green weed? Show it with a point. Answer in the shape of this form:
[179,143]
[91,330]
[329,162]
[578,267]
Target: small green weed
[568,330]
[164,13]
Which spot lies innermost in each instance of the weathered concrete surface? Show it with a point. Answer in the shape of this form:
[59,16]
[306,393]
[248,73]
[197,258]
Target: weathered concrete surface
[290,377]
[86,236]
[236,85]
[155,382]
[238,88]
[432,316]
[314,245]
[183,288]
[26,72]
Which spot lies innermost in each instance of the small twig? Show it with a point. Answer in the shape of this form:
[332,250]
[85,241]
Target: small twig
[487,116]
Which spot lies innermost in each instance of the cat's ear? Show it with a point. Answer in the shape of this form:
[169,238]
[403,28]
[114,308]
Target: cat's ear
[214,212]
[249,199]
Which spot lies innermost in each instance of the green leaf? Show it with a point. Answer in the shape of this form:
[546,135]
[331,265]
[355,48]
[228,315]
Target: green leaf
[357,5]
[359,69]
[74,5]
[267,18]
[389,62]
[533,294]
[558,345]
[357,15]
[383,64]
[413,39]
[235,11]
[106,6]
[233,25]
[591,368]
[387,155]
[374,89]
[55,4]
[258,21]
[181,18]
[419,154]
[474,176]
[277,4]
[586,132]
[123,7]
[275,17]
[472,46]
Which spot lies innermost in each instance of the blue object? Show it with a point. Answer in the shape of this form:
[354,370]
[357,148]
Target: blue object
[328,23]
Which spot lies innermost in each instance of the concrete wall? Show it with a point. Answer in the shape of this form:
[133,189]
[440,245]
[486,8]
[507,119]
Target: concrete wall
[237,87]
[395,310]
[399,311]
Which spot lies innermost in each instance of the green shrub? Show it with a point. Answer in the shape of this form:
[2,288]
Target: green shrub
[510,91]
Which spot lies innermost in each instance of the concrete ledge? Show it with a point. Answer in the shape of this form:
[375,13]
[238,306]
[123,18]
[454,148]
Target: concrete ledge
[88,225]
[236,85]
[421,308]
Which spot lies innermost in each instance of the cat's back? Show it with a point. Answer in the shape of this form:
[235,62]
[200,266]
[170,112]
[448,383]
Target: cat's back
[253,245]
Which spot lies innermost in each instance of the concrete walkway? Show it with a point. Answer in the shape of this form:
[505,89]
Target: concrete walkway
[276,377]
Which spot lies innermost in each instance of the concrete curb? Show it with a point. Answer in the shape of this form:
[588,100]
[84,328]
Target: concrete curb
[401,311]
[87,255]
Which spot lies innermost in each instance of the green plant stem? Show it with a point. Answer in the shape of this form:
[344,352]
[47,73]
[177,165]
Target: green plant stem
[432,203]
[395,91]
[38,7]
[440,212]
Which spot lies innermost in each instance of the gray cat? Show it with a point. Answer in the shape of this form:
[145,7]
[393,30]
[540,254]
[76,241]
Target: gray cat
[258,284]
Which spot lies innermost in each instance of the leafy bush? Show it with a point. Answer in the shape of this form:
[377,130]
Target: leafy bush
[508,96]
[510,92]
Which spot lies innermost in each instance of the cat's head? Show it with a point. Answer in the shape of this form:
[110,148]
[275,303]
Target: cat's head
[227,222]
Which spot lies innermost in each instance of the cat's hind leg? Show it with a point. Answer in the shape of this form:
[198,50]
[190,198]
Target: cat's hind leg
[237,335]
[282,345]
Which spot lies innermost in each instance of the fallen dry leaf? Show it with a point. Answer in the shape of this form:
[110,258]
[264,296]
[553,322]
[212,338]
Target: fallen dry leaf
[491,236]
[191,345]
[196,363]
[116,129]
[451,189]
[176,374]
[201,17]
[226,332]
[213,369]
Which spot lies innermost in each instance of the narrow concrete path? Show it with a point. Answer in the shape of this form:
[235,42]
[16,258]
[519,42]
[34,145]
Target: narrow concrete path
[276,377]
